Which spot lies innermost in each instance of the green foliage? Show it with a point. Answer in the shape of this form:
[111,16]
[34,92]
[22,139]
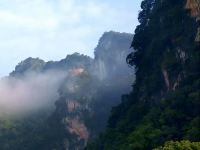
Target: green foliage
[155,112]
[182,145]
[30,133]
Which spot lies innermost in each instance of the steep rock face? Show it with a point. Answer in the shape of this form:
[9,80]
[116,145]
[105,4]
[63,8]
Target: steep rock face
[73,107]
[87,98]
[110,52]
[86,91]
[165,101]
[194,7]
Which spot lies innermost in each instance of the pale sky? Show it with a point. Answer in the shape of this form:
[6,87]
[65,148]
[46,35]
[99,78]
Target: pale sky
[51,29]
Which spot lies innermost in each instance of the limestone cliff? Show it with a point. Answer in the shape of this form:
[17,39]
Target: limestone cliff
[194,7]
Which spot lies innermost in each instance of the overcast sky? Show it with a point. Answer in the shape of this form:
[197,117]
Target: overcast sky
[51,29]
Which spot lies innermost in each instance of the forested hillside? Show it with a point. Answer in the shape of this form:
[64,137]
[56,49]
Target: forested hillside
[164,104]
[64,104]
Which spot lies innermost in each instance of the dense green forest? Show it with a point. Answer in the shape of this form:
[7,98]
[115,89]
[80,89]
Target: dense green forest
[164,104]
[162,111]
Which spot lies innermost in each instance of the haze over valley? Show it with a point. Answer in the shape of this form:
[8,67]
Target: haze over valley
[73,96]
[100,75]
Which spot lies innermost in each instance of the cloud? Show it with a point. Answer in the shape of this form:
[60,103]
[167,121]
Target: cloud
[7,17]
[46,15]
[51,29]
[32,93]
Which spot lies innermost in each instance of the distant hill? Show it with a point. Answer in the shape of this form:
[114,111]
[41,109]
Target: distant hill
[85,93]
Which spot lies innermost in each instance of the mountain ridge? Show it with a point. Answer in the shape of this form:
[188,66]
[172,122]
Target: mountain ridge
[78,85]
